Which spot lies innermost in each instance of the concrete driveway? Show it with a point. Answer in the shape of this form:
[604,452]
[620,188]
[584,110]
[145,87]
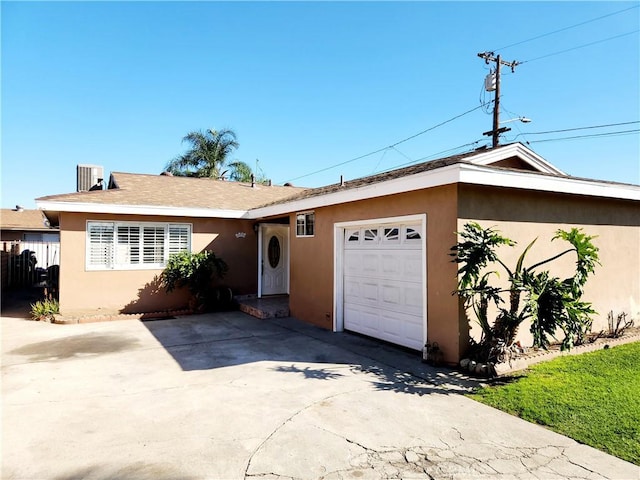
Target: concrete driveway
[226,396]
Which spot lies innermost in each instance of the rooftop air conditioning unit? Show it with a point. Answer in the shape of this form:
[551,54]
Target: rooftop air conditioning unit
[90,176]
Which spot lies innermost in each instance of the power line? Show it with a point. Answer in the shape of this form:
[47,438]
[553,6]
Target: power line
[566,28]
[435,155]
[384,148]
[435,126]
[578,128]
[592,135]
[581,46]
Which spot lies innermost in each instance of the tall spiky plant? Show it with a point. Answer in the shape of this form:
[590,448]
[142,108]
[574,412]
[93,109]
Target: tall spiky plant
[549,302]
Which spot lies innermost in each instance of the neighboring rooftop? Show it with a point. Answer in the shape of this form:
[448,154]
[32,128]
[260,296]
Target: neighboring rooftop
[22,219]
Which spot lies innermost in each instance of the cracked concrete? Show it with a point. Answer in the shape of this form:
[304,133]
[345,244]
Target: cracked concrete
[226,396]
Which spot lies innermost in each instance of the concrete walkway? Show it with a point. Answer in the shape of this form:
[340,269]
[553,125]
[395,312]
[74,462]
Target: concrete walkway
[228,396]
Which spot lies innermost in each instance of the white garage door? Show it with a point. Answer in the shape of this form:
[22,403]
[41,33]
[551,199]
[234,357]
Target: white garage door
[383,283]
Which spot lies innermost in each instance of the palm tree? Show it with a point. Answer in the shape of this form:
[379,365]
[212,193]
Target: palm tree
[207,156]
[240,172]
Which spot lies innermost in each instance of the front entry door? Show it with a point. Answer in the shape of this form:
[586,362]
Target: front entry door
[275,259]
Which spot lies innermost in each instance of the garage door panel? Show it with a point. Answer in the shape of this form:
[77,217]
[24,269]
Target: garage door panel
[400,297]
[412,266]
[352,263]
[362,319]
[391,267]
[370,263]
[385,264]
[390,294]
[361,292]
[405,330]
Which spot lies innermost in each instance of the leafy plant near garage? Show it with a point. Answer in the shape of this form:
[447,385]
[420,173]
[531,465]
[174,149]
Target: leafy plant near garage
[548,302]
[196,271]
[44,310]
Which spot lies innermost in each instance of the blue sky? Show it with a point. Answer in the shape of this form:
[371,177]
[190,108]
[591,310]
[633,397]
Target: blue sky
[307,85]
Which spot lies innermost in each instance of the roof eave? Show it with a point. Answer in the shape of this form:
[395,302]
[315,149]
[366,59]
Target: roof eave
[155,210]
[517,150]
[521,179]
[459,173]
[419,181]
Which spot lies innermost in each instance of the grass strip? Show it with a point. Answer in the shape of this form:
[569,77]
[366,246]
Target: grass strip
[593,398]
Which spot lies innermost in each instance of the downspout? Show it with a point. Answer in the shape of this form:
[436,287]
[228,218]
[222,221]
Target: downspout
[259,261]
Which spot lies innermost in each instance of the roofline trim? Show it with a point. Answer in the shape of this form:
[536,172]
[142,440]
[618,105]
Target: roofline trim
[519,150]
[458,173]
[29,229]
[419,181]
[479,175]
[78,207]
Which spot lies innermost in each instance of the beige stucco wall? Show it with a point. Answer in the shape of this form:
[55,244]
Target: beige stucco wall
[312,262]
[112,291]
[525,215]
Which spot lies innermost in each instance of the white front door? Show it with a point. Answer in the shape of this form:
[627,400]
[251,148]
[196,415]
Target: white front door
[275,259]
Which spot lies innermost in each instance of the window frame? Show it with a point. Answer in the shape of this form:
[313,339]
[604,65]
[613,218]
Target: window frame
[305,224]
[112,251]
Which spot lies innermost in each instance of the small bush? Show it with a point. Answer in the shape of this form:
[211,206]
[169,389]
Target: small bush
[618,326]
[197,272]
[44,310]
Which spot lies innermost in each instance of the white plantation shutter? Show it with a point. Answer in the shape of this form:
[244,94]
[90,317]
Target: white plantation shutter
[100,245]
[128,245]
[134,245]
[153,245]
[178,238]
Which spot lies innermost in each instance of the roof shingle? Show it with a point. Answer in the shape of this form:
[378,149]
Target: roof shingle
[181,192]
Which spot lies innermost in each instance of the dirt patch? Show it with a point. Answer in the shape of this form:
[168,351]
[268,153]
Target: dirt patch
[165,315]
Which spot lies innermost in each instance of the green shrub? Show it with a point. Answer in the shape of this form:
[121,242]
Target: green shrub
[195,271]
[44,310]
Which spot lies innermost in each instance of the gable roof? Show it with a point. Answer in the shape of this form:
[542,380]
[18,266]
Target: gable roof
[22,220]
[512,165]
[169,195]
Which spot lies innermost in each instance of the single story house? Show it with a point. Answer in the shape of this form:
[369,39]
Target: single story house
[369,255]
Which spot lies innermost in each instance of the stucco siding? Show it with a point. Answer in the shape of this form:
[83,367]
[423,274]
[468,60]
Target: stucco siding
[312,260]
[112,291]
[524,216]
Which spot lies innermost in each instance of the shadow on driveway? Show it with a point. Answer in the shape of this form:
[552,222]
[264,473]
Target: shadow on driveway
[218,340]
[137,470]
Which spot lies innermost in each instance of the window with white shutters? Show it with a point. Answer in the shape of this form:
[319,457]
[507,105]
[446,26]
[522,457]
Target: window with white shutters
[129,245]
[153,245]
[100,245]
[179,238]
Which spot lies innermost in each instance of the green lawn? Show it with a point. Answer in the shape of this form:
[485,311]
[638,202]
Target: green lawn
[593,398]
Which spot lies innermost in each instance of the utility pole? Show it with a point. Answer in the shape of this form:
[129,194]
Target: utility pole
[489,57]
